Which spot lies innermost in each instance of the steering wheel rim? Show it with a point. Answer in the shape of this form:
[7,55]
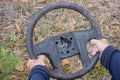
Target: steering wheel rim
[51,7]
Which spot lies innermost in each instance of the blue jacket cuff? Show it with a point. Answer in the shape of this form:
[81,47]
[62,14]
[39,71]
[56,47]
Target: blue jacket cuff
[42,70]
[106,56]
[37,67]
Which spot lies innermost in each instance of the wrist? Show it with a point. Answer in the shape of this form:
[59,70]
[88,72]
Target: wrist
[102,50]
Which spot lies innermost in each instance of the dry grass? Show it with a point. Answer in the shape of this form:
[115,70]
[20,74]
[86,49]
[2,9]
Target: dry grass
[106,12]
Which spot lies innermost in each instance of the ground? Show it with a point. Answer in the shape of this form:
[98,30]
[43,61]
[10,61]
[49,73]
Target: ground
[15,16]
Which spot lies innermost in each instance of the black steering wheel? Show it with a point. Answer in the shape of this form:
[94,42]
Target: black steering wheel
[73,43]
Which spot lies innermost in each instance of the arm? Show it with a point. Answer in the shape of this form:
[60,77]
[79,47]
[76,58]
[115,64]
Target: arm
[110,59]
[38,70]
[109,56]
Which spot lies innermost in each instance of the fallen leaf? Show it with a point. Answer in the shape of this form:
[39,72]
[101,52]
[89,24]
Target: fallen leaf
[41,1]
[35,29]
[93,1]
[17,27]
[65,62]
[11,45]
[21,36]
[15,0]
[73,22]
[78,68]
[114,30]
[20,66]
[24,0]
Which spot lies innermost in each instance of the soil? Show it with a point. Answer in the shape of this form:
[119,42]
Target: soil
[15,16]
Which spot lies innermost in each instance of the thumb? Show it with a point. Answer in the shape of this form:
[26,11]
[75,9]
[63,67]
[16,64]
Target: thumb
[93,41]
[94,51]
[41,57]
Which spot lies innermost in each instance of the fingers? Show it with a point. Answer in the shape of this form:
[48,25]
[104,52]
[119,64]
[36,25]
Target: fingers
[95,41]
[29,65]
[104,41]
[98,45]
[94,51]
[41,57]
[39,61]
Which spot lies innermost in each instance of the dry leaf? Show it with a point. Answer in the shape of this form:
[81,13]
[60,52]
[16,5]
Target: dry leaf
[20,66]
[24,0]
[114,30]
[35,29]
[78,68]
[73,22]
[17,27]
[42,1]
[11,45]
[65,62]
[15,0]
[93,1]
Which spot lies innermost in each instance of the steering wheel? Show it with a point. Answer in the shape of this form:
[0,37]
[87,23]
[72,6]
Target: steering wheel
[73,43]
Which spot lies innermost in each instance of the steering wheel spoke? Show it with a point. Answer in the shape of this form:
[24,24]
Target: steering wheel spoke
[42,47]
[84,55]
[57,66]
[92,34]
[81,39]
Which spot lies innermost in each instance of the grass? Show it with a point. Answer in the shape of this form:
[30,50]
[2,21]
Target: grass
[97,72]
[7,62]
[21,12]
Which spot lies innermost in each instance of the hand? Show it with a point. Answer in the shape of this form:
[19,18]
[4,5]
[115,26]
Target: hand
[98,45]
[39,61]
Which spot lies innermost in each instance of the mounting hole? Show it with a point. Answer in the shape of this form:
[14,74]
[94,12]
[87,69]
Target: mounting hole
[67,52]
[59,43]
[61,38]
[73,48]
[56,42]
[61,52]
[71,38]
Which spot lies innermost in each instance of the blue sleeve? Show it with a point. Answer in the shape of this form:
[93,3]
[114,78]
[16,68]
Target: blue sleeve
[110,59]
[39,73]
